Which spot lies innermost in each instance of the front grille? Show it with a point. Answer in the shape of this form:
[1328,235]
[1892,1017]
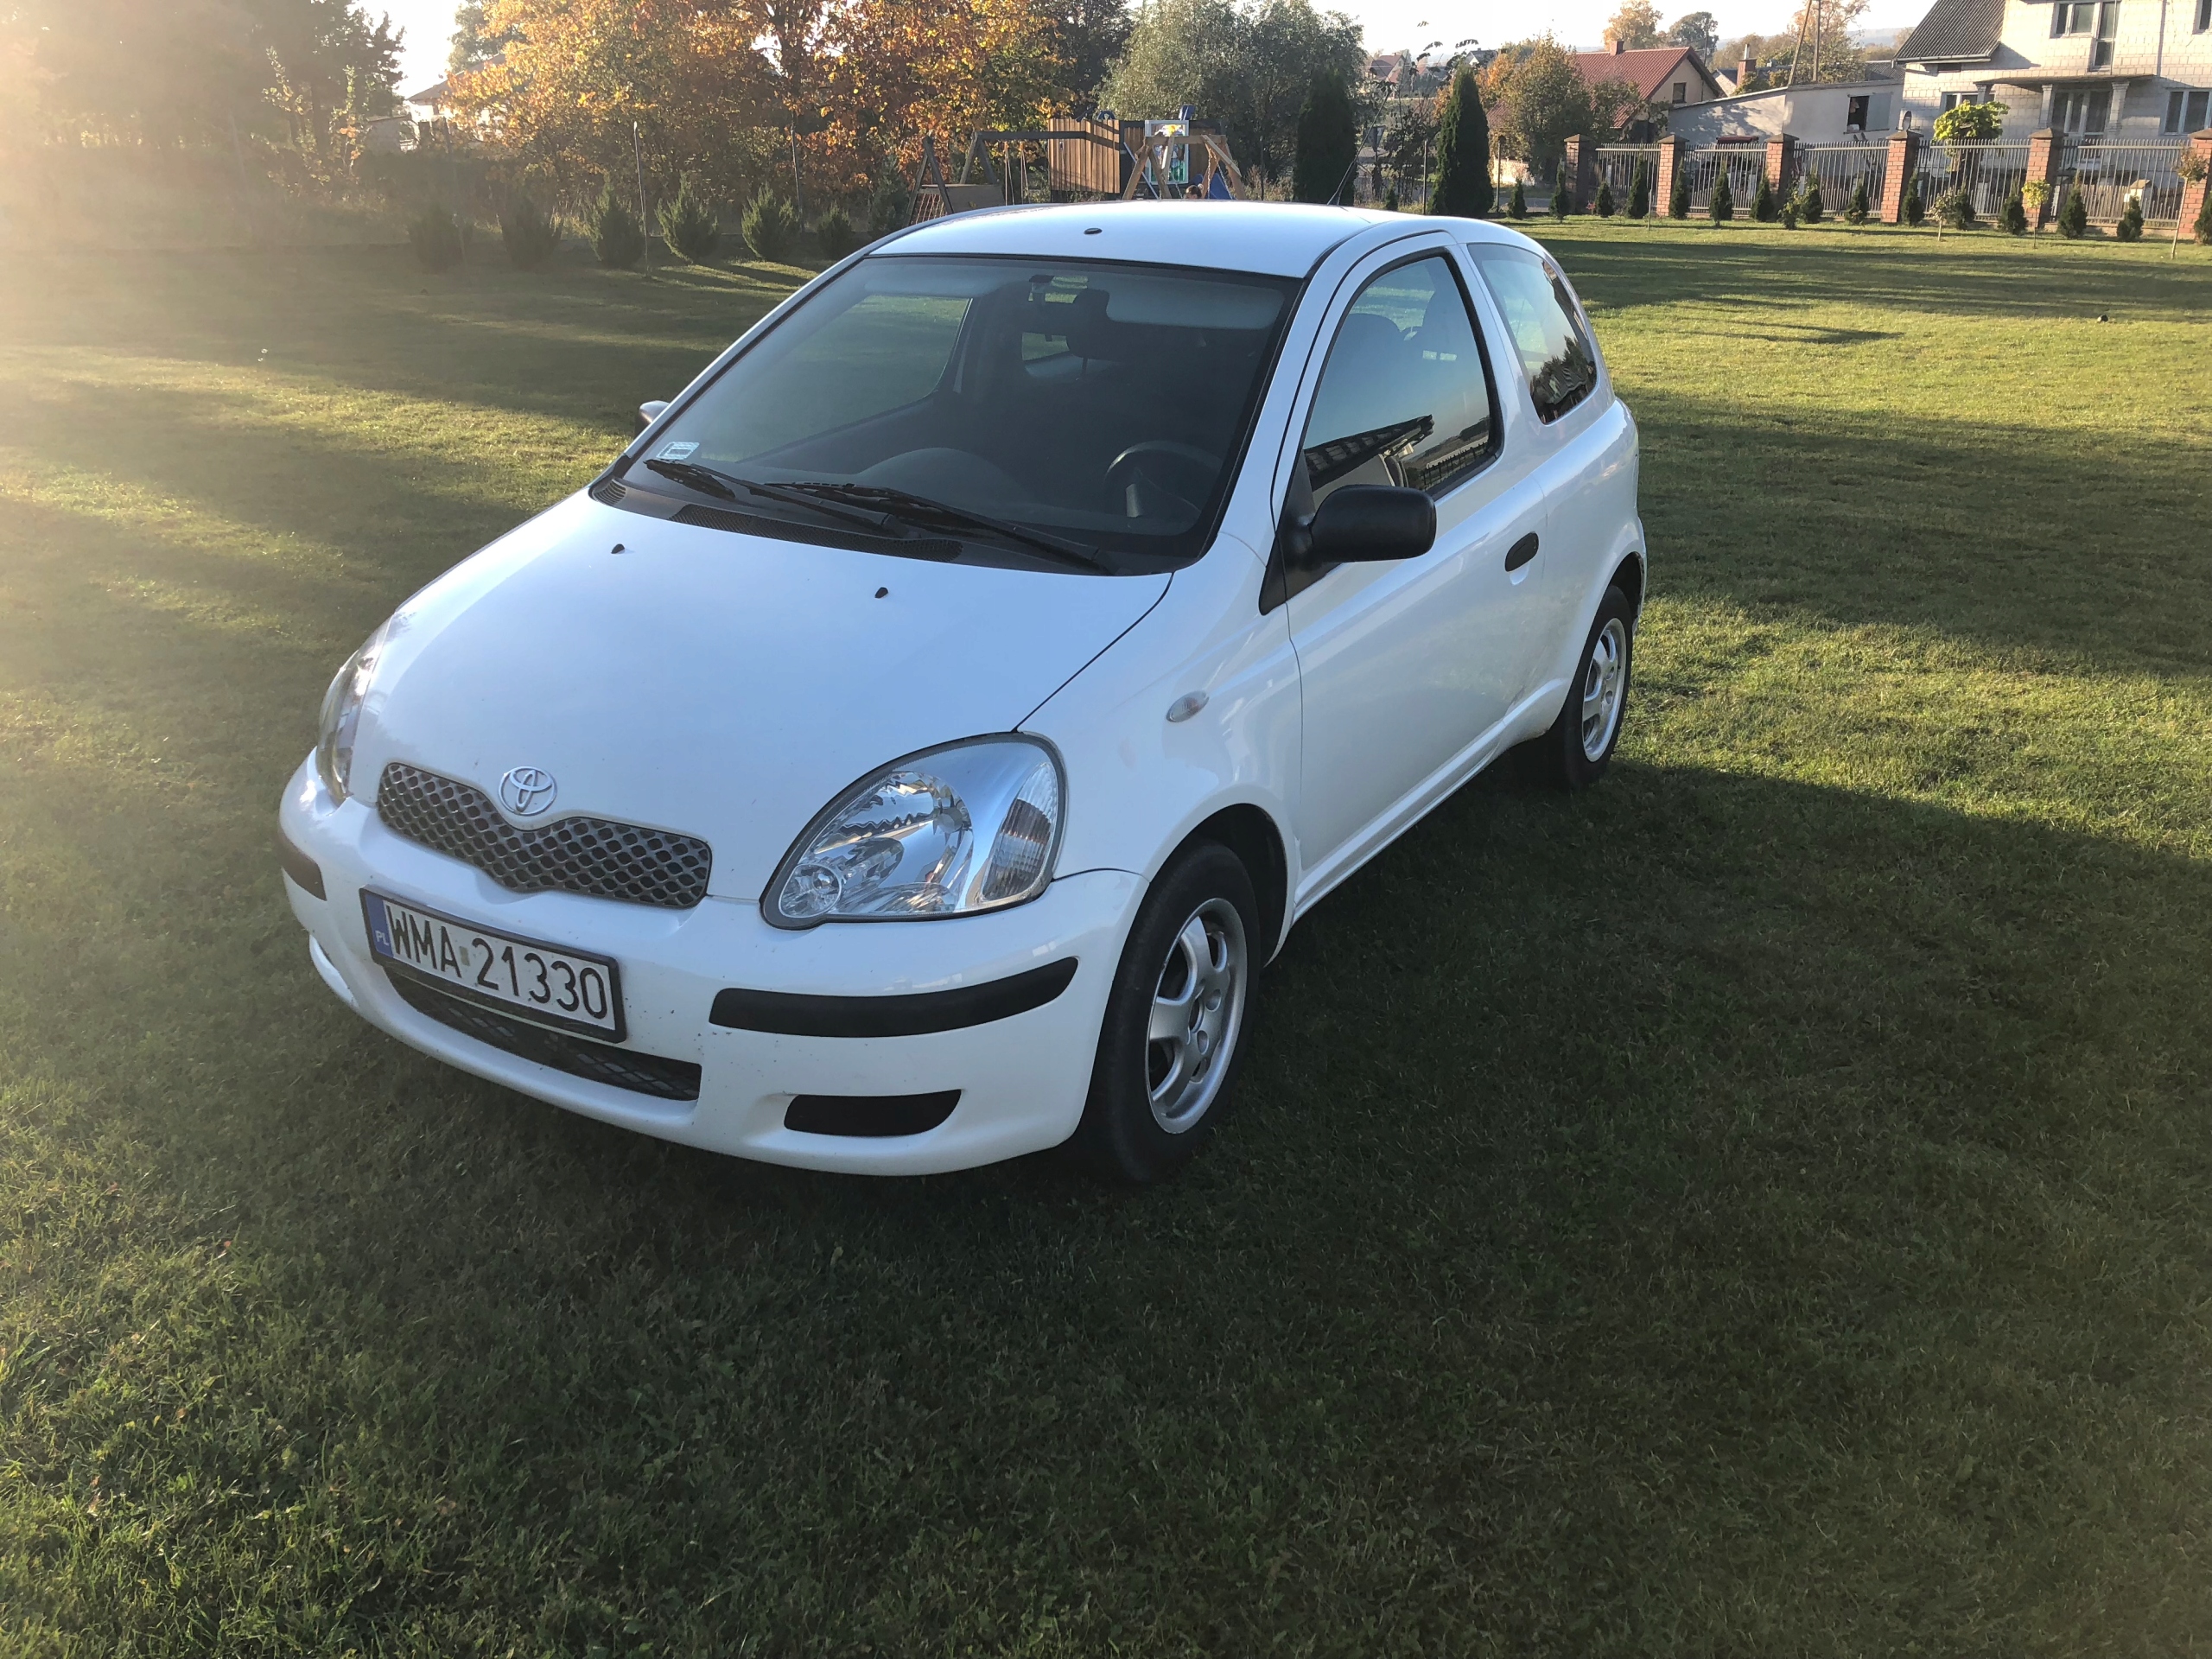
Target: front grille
[624,1068]
[593,856]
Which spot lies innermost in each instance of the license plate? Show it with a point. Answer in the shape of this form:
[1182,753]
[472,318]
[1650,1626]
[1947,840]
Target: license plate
[551,984]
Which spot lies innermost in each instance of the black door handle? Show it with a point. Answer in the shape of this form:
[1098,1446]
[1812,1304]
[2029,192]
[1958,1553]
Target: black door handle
[1521,551]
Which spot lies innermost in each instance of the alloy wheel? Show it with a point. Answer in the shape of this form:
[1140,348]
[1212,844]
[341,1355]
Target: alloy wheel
[1604,683]
[1198,1004]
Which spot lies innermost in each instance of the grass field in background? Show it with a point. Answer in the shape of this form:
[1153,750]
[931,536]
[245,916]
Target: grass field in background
[1758,1207]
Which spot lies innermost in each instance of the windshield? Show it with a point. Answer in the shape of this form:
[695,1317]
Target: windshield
[1103,405]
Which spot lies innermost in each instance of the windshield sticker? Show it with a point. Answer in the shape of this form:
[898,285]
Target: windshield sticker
[677,451]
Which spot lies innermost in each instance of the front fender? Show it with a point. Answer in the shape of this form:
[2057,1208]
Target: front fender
[1139,782]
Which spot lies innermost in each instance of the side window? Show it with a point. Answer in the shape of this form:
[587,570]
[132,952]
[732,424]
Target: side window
[1405,397]
[1555,355]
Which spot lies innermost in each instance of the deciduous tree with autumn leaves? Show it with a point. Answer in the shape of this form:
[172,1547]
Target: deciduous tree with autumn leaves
[807,96]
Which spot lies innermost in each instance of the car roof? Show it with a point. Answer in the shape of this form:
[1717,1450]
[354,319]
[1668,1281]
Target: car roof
[1278,238]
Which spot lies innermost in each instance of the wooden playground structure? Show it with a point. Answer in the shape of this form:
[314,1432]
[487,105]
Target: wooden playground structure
[1085,158]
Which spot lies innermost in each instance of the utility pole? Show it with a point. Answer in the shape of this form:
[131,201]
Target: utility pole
[644,225]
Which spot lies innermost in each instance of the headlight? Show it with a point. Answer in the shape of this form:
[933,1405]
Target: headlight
[341,714]
[971,826]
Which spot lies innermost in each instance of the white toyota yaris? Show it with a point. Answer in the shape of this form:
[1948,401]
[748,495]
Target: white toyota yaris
[907,753]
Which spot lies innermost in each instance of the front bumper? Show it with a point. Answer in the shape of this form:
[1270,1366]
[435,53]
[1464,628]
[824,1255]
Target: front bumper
[1022,1079]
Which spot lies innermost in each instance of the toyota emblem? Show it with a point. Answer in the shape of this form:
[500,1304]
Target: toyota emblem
[526,792]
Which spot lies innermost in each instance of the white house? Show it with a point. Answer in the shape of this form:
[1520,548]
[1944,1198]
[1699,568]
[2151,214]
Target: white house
[1828,112]
[2121,70]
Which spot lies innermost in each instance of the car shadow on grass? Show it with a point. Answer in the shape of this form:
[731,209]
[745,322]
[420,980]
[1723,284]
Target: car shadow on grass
[1651,1206]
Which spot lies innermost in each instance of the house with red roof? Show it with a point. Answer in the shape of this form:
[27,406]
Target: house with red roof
[1665,75]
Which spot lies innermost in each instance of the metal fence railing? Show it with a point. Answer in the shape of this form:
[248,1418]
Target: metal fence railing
[1744,164]
[1988,173]
[1840,169]
[2110,174]
[1617,165]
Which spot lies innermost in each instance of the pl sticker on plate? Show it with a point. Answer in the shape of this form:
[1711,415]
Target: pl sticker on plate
[677,451]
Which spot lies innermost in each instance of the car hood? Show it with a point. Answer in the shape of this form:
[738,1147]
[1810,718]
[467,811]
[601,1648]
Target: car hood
[718,685]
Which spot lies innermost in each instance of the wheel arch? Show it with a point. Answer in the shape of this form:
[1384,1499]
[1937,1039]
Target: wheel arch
[1628,576]
[1252,833]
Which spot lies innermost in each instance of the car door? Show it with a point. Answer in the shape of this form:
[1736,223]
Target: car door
[1407,669]
[1580,438]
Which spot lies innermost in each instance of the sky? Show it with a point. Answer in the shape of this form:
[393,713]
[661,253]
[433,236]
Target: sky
[1388,23]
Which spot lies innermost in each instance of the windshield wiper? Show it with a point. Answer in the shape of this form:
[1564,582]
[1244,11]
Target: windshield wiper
[927,511]
[712,480]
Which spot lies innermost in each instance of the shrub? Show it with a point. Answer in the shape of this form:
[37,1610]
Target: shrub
[1762,205]
[768,225]
[1639,192]
[1723,206]
[2035,196]
[2130,228]
[1954,210]
[887,209]
[436,237]
[2202,230]
[1856,210]
[1810,207]
[1790,215]
[1914,208]
[2073,216]
[688,225]
[1390,200]
[1602,205]
[611,229]
[1967,124]
[2014,217]
[1562,199]
[834,233]
[1678,199]
[529,236]
[1517,203]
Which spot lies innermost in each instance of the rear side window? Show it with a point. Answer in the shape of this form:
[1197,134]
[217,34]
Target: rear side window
[1405,397]
[1554,351]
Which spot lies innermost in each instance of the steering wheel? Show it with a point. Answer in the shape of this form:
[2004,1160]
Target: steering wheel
[1157,473]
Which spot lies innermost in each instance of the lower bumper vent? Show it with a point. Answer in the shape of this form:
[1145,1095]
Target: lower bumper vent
[871,1115]
[623,1068]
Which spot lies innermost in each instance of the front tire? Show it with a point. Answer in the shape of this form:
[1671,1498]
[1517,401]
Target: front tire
[1176,1020]
[1574,753]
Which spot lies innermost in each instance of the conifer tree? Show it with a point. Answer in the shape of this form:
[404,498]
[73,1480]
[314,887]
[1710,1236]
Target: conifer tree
[1678,199]
[1602,204]
[1461,185]
[1328,142]
[2073,216]
[1562,199]
[1639,192]
[1762,206]
[1518,204]
[1856,210]
[1723,206]
[1914,208]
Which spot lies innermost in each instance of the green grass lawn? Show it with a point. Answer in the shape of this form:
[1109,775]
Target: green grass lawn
[1759,1207]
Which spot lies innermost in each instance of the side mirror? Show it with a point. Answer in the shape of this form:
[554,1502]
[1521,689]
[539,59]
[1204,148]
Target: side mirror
[648,413]
[1366,523]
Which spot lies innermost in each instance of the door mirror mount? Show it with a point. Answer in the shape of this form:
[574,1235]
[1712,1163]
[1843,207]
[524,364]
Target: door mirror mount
[650,412]
[1363,523]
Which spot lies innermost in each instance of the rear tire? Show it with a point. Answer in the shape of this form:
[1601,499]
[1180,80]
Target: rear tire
[1176,1020]
[1574,753]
